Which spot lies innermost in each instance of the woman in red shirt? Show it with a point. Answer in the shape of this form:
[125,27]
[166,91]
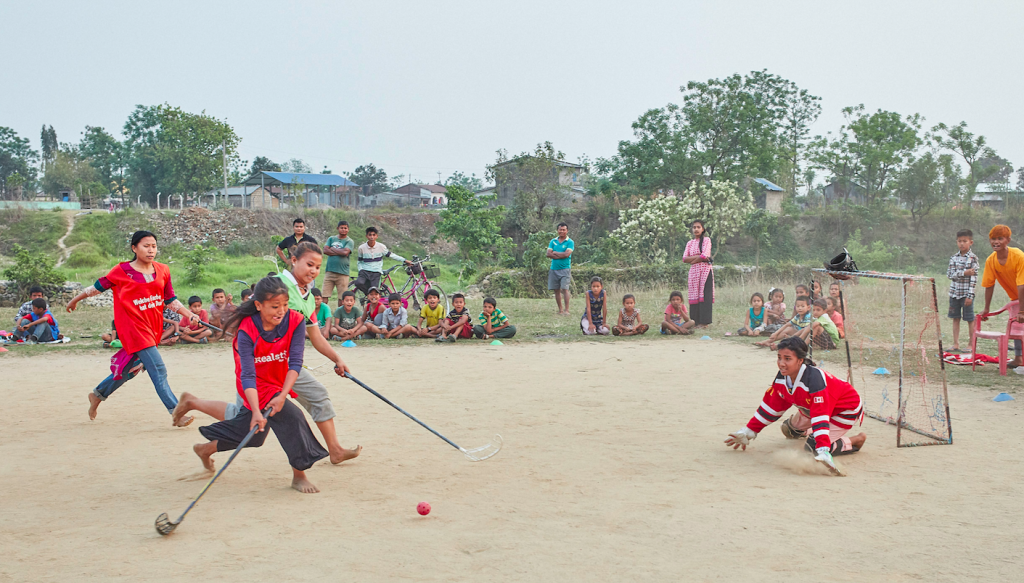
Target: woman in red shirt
[268,348]
[142,287]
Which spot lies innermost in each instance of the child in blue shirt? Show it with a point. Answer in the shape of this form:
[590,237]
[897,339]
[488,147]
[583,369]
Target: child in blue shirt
[39,325]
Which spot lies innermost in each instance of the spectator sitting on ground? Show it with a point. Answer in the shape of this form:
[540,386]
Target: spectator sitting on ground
[194,332]
[39,325]
[323,311]
[110,336]
[396,320]
[220,311]
[346,323]
[493,323]
[33,293]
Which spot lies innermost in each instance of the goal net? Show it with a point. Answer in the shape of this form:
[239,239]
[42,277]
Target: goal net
[892,352]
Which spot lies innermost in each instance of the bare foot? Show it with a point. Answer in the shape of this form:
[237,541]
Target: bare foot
[346,454]
[302,484]
[185,421]
[94,403]
[205,452]
[184,406]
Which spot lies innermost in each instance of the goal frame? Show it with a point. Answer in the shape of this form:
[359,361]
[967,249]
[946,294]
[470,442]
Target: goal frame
[900,422]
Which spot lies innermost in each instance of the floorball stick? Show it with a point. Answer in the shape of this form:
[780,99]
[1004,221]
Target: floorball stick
[476,454]
[164,525]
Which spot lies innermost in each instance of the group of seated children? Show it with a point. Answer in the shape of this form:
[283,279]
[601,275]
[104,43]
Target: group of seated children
[387,320]
[595,315]
[815,319]
[34,323]
[189,333]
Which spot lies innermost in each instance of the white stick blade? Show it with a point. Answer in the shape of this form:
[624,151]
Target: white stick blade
[479,454]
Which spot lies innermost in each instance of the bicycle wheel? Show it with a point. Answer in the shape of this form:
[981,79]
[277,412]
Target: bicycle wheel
[419,296]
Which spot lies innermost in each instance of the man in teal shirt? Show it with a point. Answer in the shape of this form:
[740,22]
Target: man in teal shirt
[560,252]
[338,249]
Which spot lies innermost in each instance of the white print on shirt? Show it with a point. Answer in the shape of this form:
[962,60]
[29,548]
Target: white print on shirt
[152,301]
[276,357]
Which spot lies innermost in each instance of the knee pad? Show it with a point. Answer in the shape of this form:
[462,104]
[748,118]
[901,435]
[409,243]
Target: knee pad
[790,432]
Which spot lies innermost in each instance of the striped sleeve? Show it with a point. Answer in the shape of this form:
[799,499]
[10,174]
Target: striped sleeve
[821,407]
[772,406]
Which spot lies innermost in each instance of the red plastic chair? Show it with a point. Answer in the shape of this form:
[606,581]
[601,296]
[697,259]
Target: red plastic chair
[1014,331]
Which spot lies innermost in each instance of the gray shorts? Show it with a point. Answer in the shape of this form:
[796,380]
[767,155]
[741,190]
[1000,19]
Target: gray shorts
[558,278]
[310,393]
[958,311]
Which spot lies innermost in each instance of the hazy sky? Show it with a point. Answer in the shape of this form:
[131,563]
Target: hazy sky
[422,87]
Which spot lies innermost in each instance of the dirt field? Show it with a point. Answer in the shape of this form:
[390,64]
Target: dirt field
[613,470]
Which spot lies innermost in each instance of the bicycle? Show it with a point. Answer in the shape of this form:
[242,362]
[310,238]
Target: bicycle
[415,286]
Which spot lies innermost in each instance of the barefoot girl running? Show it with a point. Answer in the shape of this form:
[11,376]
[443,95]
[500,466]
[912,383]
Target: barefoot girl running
[826,407]
[268,349]
[142,287]
[310,393]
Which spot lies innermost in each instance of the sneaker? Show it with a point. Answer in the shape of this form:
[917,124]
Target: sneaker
[336,338]
[451,339]
[439,338]
[204,341]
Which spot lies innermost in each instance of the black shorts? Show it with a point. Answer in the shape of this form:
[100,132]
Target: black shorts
[289,425]
[366,280]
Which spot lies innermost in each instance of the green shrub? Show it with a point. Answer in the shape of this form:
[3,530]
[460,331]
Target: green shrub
[33,269]
[195,263]
[86,255]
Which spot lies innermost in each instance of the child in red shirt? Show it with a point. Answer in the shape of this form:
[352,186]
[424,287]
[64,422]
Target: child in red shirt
[194,332]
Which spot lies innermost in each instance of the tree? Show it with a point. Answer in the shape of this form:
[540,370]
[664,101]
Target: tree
[191,146]
[459,179]
[472,223]
[297,166]
[532,180]
[17,162]
[721,204]
[970,148]
[919,185]
[1020,178]
[650,231]
[145,166]
[263,164]
[104,153]
[371,178]
[48,145]
[69,170]
[995,169]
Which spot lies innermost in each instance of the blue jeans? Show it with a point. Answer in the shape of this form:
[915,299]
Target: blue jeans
[150,358]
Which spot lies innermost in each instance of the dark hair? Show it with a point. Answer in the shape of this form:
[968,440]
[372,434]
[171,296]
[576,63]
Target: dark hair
[833,301]
[965,233]
[194,299]
[821,303]
[348,294]
[340,223]
[371,230]
[217,291]
[39,303]
[835,283]
[800,285]
[35,290]
[628,297]
[772,292]
[803,299]
[303,248]
[595,279]
[137,238]
[271,274]
[431,292]
[298,221]
[394,298]
[491,301]
[266,288]
[560,225]
[675,294]
[756,295]
[798,347]
[316,292]
[458,295]
[247,292]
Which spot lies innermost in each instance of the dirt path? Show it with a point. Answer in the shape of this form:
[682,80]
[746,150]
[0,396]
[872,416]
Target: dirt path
[65,252]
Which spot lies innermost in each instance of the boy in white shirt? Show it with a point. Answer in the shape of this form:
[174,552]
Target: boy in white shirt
[370,261]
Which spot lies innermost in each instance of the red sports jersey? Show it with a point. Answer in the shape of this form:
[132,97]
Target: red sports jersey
[139,307]
[271,359]
[823,397]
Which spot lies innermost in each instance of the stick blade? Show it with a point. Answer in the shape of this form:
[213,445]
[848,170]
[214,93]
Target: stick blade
[164,525]
[479,454]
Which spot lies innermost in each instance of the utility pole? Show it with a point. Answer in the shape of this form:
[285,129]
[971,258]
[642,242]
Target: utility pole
[439,177]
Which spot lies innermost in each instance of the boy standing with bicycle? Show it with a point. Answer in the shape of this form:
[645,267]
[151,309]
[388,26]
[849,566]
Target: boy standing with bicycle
[371,261]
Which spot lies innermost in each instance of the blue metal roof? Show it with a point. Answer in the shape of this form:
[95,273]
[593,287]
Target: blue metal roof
[768,185]
[296,178]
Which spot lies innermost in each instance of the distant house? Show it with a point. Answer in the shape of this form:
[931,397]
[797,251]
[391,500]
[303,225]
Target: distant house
[418,199]
[509,177]
[260,198]
[770,196]
[995,195]
[842,189]
[436,192]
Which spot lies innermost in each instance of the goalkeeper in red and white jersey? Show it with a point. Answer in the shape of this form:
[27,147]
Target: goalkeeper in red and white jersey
[827,407]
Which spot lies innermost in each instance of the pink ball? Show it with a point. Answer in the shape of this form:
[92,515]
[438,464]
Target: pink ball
[423,508]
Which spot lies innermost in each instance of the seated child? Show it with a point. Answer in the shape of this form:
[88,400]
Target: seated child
[802,290]
[432,314]
[346,324]
[395,322]
[816,290]
[493,323]
[457,324]
[220,311]
[373,314]
[595,314]
[629,318]
[39,325]
[755,323]
[801,320]
[35,292]
[833,292]
[110,336]
[196,333]
[677,320]
[775,311]
[835,316]
[822,331]
[172,328]
[246,294]
[323,311]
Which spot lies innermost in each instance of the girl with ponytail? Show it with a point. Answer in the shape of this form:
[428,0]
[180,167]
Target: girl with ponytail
[141,288]
[827,408]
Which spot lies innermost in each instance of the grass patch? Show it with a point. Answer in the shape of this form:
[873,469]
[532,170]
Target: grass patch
[33,230]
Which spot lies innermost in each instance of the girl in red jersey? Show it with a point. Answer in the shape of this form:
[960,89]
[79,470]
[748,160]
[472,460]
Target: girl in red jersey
[268,349]
[142,287]
[826,407]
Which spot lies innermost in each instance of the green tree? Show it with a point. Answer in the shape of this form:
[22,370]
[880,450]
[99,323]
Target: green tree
[919,186]
[17,160]
[472,223]
[263,164]
[721,204]
[970,148]
[146,167]
[532,180]
[192,151]
[104,153]
[69,170]
[371,178]
[32,269]
[48,145]
[297,166]
[459,179]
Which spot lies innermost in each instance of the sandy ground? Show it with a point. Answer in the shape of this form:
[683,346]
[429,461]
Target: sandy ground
[613,470]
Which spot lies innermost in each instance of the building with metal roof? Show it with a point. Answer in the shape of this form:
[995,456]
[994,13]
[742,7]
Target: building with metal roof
[314,189]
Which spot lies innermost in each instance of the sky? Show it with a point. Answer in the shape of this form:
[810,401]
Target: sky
[419,88]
